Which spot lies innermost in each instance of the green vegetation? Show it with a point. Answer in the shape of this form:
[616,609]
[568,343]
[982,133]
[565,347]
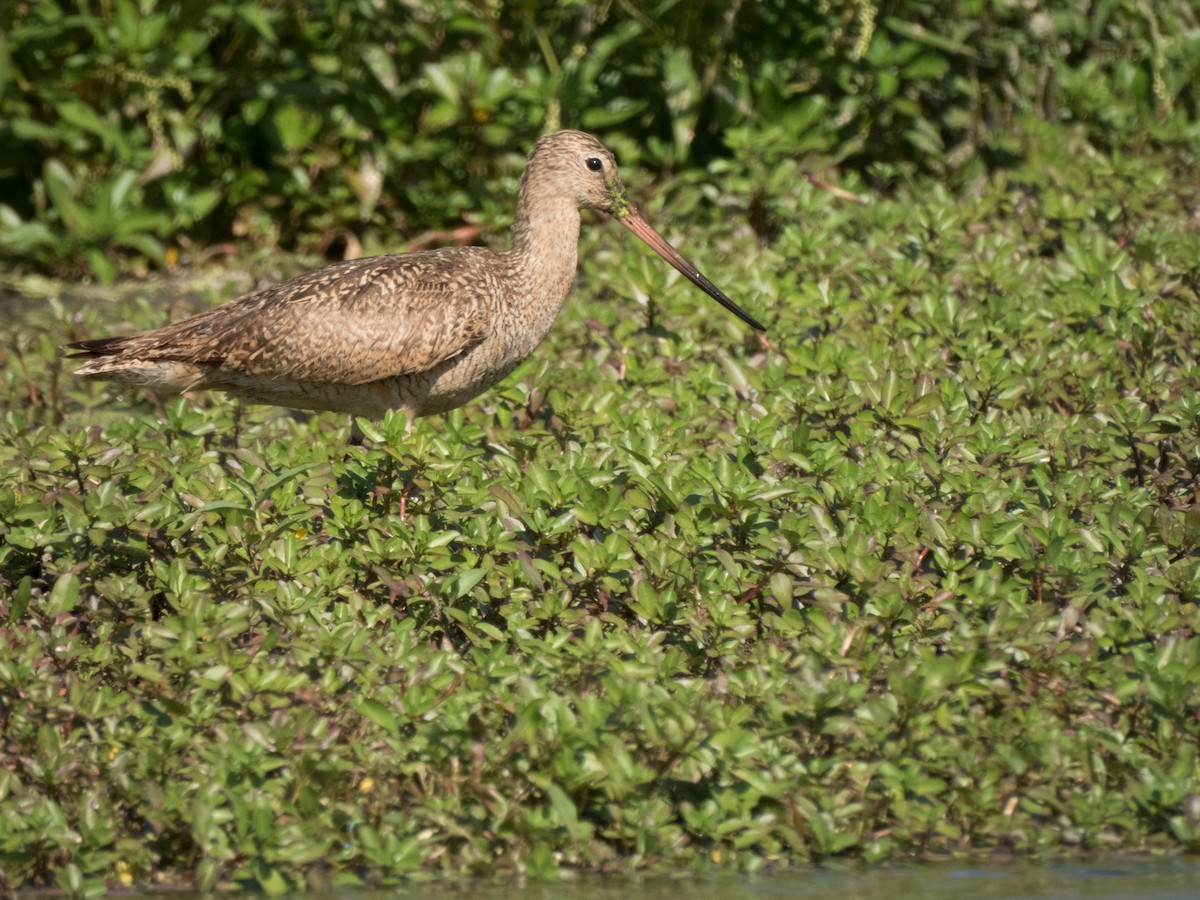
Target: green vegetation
[919,575]
[134,130]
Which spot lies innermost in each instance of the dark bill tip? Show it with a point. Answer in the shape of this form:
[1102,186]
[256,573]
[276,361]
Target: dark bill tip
[629,216]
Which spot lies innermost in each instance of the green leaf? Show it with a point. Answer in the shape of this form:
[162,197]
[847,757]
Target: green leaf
[464,581]
[269,879]
[379,714]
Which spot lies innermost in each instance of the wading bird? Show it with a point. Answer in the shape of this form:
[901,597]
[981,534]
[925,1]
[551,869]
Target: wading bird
[419,332]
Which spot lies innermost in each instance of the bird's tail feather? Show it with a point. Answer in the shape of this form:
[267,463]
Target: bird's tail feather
[97,348]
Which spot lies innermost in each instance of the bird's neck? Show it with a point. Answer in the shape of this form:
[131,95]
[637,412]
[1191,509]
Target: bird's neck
[543,255]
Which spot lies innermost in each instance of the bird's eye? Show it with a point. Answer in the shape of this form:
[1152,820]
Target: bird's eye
[593,163]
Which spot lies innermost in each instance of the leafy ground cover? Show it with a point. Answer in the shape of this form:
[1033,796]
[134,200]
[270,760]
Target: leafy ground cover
[139,132]
[917,576]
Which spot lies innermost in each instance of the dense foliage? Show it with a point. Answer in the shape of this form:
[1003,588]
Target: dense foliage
[919,575]
[136,129]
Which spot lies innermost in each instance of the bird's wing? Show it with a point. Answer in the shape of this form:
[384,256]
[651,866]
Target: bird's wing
[349,323]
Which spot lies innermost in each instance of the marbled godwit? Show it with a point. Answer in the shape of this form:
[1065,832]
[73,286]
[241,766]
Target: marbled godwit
[420,332]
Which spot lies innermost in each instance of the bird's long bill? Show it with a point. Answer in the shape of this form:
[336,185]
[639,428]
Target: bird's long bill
[632,219]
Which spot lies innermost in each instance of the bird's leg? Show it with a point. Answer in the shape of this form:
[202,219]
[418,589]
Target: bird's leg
[238,409]
[408,482]
[390,438]
[385,490]
[404,499]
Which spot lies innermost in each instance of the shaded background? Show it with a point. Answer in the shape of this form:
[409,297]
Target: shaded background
[134,132]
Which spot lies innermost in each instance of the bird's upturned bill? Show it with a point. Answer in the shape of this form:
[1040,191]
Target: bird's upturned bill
[632,219]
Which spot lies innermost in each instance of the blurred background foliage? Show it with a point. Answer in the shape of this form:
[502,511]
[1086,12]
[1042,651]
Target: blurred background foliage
[134,131]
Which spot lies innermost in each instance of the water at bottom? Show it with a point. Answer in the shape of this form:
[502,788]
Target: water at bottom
[1108,879]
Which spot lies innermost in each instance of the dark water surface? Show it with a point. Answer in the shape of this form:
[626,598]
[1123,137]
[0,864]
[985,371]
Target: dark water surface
[1135,878]
[1123,879]
[1129,880]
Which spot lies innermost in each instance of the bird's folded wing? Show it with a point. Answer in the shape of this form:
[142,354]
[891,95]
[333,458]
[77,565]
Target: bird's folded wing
[350,323]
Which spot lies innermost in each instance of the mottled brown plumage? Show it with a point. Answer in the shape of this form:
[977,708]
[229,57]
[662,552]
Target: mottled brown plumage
[422,332]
